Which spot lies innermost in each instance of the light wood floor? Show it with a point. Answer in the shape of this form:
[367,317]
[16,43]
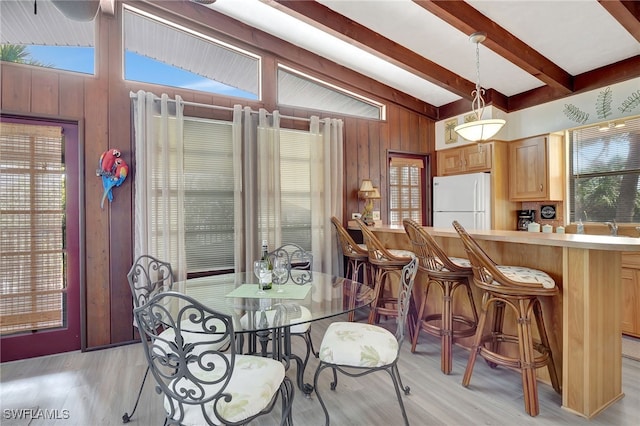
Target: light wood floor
[97,387]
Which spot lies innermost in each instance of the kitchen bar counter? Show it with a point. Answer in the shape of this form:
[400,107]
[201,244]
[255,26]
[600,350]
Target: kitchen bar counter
[585,319]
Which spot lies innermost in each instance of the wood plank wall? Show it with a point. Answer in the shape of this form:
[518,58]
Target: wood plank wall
[101,104]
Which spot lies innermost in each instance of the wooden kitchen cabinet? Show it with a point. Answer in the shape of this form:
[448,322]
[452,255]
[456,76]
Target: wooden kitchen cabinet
[631,294]
[465,159]
[536,168]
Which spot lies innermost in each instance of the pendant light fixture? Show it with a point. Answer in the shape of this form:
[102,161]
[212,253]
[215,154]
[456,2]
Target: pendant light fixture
[479,130]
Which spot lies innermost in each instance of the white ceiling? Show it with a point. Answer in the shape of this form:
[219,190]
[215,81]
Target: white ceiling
[577,35]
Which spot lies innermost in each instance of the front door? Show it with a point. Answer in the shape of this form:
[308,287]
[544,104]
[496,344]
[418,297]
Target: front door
[39,238]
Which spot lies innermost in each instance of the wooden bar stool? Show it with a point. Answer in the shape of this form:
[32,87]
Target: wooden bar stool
[518,288]
[357,260]
[449,274]
[384,264]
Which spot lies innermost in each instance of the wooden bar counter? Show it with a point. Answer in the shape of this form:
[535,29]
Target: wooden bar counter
[585,319]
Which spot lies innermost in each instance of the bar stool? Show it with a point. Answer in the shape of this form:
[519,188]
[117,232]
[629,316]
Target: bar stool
[518,288]
[357,260]
[449,274]
[384,264]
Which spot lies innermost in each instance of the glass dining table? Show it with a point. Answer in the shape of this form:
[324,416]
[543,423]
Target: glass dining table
[262,318]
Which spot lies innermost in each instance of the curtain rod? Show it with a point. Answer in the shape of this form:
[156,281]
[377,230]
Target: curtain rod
[196,104]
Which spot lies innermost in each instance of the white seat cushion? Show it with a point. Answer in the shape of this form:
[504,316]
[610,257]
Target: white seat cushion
[254,382]
[402,253]
[461,261]
[304,318]
[358,345]
[527,275]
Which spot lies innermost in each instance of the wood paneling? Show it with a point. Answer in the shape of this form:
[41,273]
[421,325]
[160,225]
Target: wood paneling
[103,105]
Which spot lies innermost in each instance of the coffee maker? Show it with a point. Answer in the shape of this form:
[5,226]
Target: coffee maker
[525,217]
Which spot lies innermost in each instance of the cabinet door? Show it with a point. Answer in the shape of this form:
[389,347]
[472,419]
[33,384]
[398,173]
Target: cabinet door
[477,158]
[528,169]
[450,162]
[630,301]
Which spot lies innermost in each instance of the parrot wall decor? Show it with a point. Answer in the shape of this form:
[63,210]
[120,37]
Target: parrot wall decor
[113,171]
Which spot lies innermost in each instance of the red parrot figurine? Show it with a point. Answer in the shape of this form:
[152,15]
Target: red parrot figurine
[106,164]
[113,173]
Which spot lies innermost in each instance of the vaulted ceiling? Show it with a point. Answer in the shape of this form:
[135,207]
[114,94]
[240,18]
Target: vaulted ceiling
[535,51]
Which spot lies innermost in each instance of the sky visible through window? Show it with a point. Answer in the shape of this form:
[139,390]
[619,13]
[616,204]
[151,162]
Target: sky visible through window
[137,68]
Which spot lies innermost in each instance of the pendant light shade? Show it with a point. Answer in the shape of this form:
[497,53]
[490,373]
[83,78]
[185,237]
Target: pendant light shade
[479,130]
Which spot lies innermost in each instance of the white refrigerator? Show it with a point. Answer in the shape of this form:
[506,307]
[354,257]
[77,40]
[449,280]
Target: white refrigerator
[465,198]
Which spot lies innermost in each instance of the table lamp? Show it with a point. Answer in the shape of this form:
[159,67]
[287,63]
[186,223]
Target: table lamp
[369,193]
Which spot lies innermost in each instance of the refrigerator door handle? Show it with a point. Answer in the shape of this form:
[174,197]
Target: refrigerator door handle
[475,195]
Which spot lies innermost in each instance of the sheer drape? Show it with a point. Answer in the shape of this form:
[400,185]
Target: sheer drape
[326,191]
[159,189]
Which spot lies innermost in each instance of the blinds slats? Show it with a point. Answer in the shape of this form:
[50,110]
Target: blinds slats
[32,223]
[605,173]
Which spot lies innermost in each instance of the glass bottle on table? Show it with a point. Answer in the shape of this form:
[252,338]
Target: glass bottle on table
[268,276]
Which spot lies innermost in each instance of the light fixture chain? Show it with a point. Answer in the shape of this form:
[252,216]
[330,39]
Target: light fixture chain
[478,102]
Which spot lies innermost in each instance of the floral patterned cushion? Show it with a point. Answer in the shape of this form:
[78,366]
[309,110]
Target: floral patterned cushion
[527,275]
[254,382]
[358,345]
[402,253]
[305,315]
[461,261]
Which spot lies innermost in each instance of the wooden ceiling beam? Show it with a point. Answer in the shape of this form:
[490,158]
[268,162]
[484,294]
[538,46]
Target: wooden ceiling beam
[469,20]
[626,12]
[354,33]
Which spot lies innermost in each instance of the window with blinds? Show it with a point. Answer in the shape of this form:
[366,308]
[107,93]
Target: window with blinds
[406,182]
[32,225]
[605,172]
[295,187]
[208,198]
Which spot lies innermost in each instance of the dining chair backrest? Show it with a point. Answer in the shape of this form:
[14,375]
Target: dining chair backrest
[378,253]
[432,257]
[147,277]
[407,279]
[186,373]
[298,259]
[349,247]
[487,274]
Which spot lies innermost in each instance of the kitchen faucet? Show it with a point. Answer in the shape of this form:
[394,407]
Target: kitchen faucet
[613,227]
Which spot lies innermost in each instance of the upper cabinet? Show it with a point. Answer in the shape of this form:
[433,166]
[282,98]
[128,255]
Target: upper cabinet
[536,169]
[465,159]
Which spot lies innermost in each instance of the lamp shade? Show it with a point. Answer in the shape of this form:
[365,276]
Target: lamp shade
[366,186]
[373,194]
[479,130]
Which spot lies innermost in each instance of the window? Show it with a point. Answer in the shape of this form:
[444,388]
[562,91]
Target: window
[32,219]
[299,90]
[208,198]
[406,188]
[209,193]
[295,187]
[605,172]
[48,38]
[160,52]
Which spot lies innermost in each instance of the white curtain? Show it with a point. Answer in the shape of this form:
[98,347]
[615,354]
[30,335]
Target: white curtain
[158,172]
[159,189]
[327,182]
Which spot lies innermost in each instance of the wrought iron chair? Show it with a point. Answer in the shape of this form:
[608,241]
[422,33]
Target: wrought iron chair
[202,385]
[448,274]
[299,265]
[357,260]
[519,289]
[148,277]
[356,349]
